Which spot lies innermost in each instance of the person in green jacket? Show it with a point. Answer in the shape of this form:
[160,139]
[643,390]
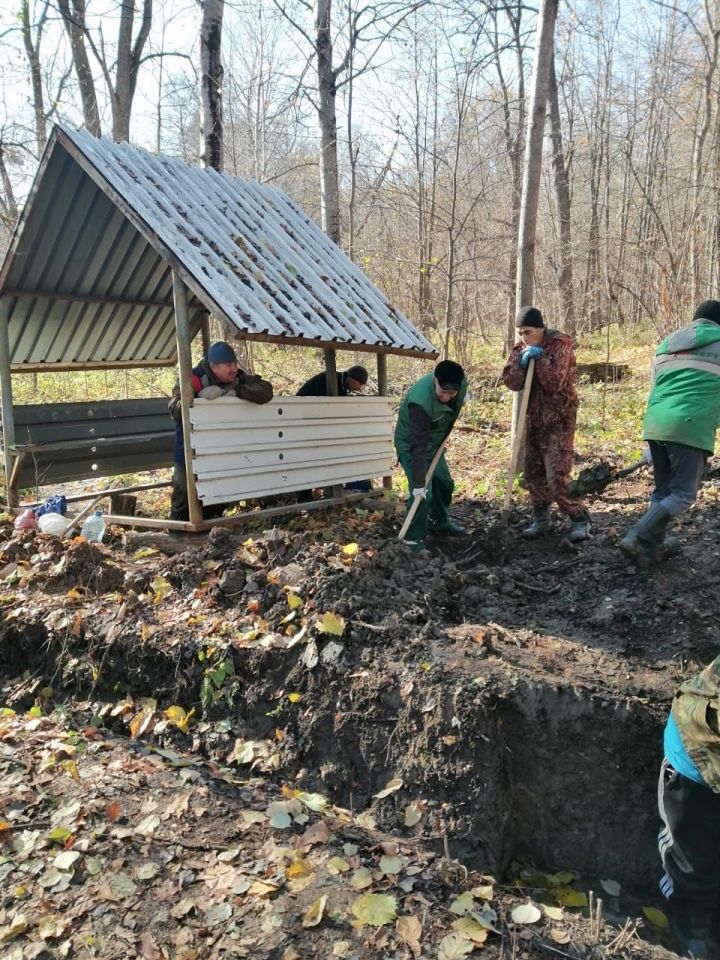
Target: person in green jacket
[689,807]
[427,415]
[682,415]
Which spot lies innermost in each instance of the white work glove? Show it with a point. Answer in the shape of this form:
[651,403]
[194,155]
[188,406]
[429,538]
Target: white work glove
[420,492]
[211,393]
[647,455]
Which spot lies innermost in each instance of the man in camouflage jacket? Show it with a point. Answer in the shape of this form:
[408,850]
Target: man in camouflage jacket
[689,804]
[551,414]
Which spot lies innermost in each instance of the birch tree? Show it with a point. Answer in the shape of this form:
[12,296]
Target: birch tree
[211,83]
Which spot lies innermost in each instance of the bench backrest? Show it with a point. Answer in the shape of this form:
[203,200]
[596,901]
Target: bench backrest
[86,440]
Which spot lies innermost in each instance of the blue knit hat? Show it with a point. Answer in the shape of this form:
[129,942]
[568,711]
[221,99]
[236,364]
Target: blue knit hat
[221,352]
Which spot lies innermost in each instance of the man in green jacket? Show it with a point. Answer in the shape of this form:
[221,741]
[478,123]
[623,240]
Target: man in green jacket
[682,415]
[689,807]
[427,415]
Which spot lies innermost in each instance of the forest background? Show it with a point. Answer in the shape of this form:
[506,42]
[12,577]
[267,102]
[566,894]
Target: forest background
[431,101]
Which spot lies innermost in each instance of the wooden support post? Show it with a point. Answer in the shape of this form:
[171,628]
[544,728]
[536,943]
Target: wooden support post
[383,392]
[6,403]
[182,331]
[205,333]
[332,389]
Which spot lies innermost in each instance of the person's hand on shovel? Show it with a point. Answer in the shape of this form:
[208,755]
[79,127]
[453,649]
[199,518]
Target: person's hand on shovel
[530,353]
[420,492]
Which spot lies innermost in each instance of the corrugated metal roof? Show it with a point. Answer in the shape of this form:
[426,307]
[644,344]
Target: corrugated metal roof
[88,277]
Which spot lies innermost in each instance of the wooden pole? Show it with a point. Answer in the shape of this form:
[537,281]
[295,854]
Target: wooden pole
[332,389]
[518,440]
[383,392]
[182,331]
[205,333]
[416,502]
[6,403]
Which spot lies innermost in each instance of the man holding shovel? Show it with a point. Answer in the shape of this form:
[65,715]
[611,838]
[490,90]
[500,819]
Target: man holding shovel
[682,416]
[427,415]
[551,413]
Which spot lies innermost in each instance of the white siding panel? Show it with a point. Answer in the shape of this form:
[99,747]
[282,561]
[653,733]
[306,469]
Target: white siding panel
[244,450]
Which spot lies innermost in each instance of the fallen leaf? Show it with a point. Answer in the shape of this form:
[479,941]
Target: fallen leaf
[560,936]
[298,868]
[390,865]
[656,917]
[160,588]
[375,909]
[177,716]
[611,887]
[463,904]
[484,891]
[553,913]
[350,549]
[218,913]
[294,601]
[413,815]
[341,948]
[261,888]
[361,879]
[317,833]
[390,787]
[569,897]
[409,930]
[526,913]
[338,865]
[469,928]
[454,947]
[66,859]
[294,697]
[331,623]
[315,914]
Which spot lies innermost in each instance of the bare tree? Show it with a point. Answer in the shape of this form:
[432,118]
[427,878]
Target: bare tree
[562,196]
[211,83]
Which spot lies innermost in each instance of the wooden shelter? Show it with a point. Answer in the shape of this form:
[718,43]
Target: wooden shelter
[118,260]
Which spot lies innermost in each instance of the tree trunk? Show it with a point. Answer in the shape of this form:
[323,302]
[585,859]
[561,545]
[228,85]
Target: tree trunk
[211,83]
[525,282]
[562,193]
[129,57]
[74,21]
[327,117]
[32,49]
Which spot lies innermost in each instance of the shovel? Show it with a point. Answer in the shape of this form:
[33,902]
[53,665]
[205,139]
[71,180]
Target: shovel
[519,436]
[416,502]
[595,479]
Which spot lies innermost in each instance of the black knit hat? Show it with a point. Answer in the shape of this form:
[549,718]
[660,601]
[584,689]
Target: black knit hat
[449,375]
[708,310]
[529,317]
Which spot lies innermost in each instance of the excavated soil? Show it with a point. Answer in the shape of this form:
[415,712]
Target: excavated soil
[517,690]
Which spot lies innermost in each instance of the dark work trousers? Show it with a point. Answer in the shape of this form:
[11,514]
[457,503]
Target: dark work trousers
[434,510]
[678,471]
[689,843]
[179,507]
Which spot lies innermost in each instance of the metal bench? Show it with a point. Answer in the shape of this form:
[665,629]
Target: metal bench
[61,442]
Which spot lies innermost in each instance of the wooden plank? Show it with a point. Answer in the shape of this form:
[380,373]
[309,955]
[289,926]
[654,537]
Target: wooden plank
[290,508]
[78,497]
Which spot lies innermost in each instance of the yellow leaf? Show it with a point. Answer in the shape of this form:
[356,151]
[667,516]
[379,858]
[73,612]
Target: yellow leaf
[74,594]
[409,929]
[338,865]
[144,552]
[413,815]
[484,891]
[350,549]
[656,917]
[463,904]
[425,666]
[331,623]
[569,897]
[160,588]
[375,909]
[17,925]
[554,913]
[294,697]
[341,948]
[390,787]
[70,767]
[470,929]
[179,718]
[294,601]
[298,868]
[315,914]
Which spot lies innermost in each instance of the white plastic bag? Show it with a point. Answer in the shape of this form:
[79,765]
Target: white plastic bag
[53,523]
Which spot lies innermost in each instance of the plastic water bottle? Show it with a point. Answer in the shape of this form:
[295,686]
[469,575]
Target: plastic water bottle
[94,527]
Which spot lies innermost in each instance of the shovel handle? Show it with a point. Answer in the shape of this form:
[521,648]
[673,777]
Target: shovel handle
[626,471]
[416,502]
[519,434]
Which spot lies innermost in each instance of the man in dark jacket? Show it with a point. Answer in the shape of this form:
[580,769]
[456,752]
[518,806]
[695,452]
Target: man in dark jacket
[551,414]
[217,376]
[681,419]
[427,415]
[351,381]
[689,806]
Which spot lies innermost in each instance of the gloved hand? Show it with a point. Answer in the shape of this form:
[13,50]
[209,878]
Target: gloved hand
[211,393]
[420,492]
[647,455]
[530,353]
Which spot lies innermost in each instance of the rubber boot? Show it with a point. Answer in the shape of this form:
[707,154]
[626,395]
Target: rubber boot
[644,543]
[452,529]
[540,523]
[693,933]
[579,527]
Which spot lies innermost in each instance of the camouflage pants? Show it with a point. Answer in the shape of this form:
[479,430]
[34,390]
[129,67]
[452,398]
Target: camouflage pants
[548,462]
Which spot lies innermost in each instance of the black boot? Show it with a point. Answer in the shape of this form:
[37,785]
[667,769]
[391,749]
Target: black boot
[693,933]
[644,543]
[540,523]
[579,527]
